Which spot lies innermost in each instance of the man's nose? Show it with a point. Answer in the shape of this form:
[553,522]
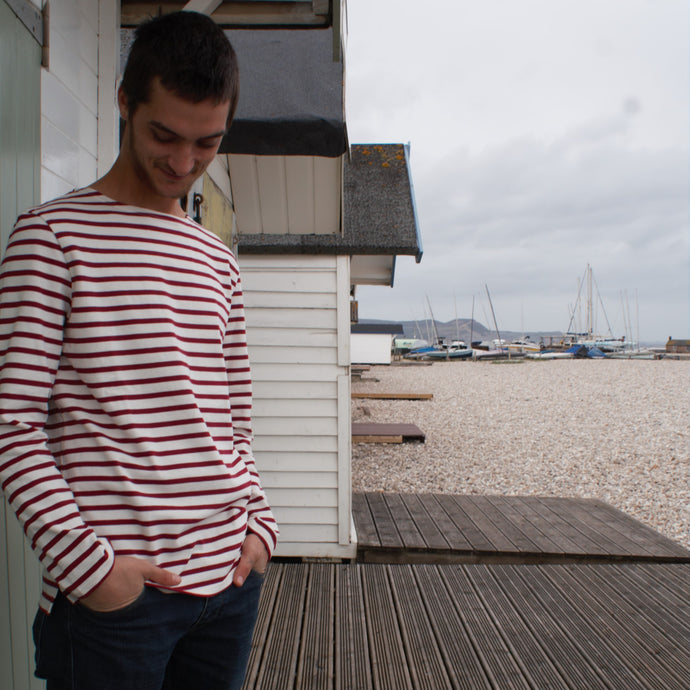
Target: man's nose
[181,161]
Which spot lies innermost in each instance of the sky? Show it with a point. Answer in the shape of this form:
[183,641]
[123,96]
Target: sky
[544,135]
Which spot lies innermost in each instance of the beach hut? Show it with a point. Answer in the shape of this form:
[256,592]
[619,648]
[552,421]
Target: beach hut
[298,285]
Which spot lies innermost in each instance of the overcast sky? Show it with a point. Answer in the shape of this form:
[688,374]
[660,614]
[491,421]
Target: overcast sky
[544,135]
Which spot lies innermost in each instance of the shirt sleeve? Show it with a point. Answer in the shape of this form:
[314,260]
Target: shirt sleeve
[35,293]
[261,521]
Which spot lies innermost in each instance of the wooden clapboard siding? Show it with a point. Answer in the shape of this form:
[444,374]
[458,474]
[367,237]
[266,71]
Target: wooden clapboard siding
[297,462]
[311,515]
[286,194]
[21,175]
[295,425]
[297,329]
[300,480]
[313,407]
[294,354]
[279,371]
[273,390]
[305,497]
[308,533]
[283,317]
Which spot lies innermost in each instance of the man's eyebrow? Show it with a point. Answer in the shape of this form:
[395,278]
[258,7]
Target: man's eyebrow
[167,130]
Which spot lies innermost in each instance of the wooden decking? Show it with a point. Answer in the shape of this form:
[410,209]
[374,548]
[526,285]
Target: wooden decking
[617,617]
[426,528]
[472,626]
[370,432]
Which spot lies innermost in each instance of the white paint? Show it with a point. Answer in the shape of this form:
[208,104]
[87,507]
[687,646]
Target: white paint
[370,348]
[297,308]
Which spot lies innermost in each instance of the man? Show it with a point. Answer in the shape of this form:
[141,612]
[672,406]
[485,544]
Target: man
[125,397]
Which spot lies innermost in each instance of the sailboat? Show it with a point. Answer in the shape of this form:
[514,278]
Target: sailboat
[589,337]
[499,349]
[440,351]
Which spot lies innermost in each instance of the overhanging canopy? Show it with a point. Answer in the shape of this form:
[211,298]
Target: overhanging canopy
[291,94]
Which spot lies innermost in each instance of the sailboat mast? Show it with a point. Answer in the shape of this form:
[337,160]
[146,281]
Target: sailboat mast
[433,321]
[498,335]
[590,309]
[637,318]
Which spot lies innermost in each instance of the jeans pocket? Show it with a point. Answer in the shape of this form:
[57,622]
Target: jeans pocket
[36,630]
[52,641]
[122,612]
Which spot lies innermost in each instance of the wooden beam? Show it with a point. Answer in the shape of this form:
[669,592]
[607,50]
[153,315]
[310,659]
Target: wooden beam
[236,14]
[394,396]
[377,439]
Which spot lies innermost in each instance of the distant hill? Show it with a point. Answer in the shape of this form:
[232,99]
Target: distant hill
[450,330]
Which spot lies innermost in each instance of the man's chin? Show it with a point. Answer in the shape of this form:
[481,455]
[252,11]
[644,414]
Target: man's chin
[174,189]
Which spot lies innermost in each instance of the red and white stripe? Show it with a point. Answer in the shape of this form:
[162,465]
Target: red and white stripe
[125,395]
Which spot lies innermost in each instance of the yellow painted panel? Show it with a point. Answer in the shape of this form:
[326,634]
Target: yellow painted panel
[216,211]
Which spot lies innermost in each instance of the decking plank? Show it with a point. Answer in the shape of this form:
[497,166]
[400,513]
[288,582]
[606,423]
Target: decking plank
[658,658]
[572,540]
[633,531]
[407,527]
[364,521]
[671,572]
[584,633]
[518,528]
[541,670]
[388,661]
[385,527]
[315,669]
[457,541]
[463,664]
[583,518]
[502,668]
[278,666]
[353,663]
[484,517]
[431,535]
[565,655]
[654,593]
[479,542]
[425,663]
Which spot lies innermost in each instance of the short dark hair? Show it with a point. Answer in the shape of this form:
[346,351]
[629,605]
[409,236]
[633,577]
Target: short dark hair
[190,55]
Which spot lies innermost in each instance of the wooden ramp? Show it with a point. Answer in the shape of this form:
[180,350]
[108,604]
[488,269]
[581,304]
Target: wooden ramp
[432,627]
[444,528]
[371,432]
[392,396]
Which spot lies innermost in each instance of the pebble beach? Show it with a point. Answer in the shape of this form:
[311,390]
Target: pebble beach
[615,430]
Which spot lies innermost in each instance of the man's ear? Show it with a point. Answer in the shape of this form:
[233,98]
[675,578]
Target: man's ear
[122,104]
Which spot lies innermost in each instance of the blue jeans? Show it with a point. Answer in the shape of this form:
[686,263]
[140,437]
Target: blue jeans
[158,642]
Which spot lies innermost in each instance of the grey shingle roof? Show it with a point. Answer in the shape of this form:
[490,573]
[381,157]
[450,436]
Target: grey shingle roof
[379,211]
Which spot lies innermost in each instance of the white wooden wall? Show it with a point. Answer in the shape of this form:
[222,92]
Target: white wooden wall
[298,331]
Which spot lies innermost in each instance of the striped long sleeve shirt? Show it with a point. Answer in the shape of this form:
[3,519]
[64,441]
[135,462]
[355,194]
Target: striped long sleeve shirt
[125,396]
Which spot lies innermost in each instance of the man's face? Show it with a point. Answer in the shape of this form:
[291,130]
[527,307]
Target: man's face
[169,142]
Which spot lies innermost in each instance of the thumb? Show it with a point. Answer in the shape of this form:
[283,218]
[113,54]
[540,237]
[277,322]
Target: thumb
[243,569]
[160,576]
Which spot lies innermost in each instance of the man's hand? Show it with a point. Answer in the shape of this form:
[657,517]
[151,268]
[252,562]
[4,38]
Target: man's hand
[125,582]
[254,557]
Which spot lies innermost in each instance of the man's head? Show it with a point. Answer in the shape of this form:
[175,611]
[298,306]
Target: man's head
[178,96]
[189,55]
